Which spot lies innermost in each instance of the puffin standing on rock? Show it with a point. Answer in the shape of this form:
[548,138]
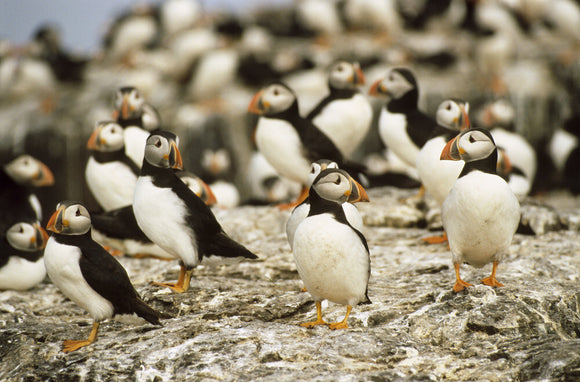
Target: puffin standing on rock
[87,274]
[481,212]
[331,256]
[173,216]
[288,141]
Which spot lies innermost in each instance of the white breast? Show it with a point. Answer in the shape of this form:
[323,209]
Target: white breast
[331,260]
[135,140]
[160,214]
[21,274]
[438,176]
[62,266]
[112,183]
[393,132]
[561,145]
[480,215]
[346,122]
[280,144]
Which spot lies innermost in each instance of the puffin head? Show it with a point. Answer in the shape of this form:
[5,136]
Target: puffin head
[338,186]
[199,187]
[396,83]
[106,137]
[70,218]
[317,167]
[161,150]
[272,99]
[128,103]
[27,236]
[453,115]
[27,170]
[470,145]
[346,75]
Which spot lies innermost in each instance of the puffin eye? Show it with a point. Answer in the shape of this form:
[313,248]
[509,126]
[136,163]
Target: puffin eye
[276,92]
[340,68]
[158,143]
[448,106]
[312,170]
[471,139]
[21,230]
[78,212]
[337,181]
[391,78]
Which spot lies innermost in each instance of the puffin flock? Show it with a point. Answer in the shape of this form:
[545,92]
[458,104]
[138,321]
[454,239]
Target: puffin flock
[303,107]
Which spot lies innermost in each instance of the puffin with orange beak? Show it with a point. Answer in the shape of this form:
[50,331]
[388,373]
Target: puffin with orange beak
[289,142]
[137,118]
[87,274]
[332,256]
[110,174]
[345,114]
[21,250]
[173,216]
[481,212]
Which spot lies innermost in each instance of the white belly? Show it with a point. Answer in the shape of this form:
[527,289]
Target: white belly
[346,122]
[135,140]
[62,266]
[438,176]
[393,132]
[480,215]
[331,260]
[112,184]
[21,274]
[280,144]
[161,216]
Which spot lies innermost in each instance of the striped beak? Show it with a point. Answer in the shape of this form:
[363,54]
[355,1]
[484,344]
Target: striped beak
[56,222]
[357,193]
[125,107]
[378,89]
[451,151]
[256,105]
[359,77]
[175,161]
[41,237]
[207,194]
[43,177]
[464,122]
[94,141]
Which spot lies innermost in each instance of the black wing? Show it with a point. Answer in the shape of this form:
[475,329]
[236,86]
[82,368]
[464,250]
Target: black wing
[119,224]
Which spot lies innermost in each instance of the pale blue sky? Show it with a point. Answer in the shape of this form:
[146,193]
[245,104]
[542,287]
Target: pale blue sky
[82,22]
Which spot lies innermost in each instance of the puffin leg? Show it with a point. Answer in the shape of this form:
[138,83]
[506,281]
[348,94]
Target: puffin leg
[459,284]
[319,320]
[72,345]
[113,251]
[342,324]
[436,239]
[417,197]
[182,283]
[303,195]
[491,280]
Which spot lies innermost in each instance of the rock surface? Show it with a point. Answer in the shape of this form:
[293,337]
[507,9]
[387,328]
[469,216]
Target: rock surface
[240,321]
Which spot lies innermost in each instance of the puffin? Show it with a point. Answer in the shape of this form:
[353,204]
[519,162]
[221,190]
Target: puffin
[403,128]
[174,217]
[18,178]
[87,274]
[439,176]
[287,140]
[332,257]
[110,174]
[138,119]
[300,212]
[345,114]
[119,230]
[481,213]
[21,261]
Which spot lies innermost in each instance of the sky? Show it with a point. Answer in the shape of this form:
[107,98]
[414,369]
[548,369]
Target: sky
[82,22]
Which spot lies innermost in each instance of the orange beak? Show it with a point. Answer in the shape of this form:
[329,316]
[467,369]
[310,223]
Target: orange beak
[93,143]
[256,106]
[357,193]
[451,151]
[41,237]
[465,122]
[359,77]
[504,167]
[207,194]
[55,223]
[377,89]
[44,177]
[175,156]
[125,107]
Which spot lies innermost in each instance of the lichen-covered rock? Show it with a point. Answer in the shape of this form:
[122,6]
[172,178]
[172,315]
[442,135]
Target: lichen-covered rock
[241,321]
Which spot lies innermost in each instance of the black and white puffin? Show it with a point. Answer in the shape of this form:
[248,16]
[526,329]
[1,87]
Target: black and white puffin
[110,174]
[17,179]
[344,115]
[300,212]
[331,256]
[439,176]
[137,118]
[481,213]
[21,250]
[288,141]
[87,274]
[119,230]
[175,218]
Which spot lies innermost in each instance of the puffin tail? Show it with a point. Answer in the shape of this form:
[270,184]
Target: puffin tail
[224,246]
[145,311]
